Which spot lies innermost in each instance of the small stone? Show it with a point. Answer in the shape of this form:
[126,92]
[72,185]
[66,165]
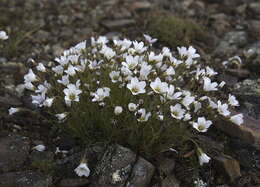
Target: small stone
[74,182]
[255,8]
[170,181]
[228,165]
[141,6]
[25,179]
[118,24]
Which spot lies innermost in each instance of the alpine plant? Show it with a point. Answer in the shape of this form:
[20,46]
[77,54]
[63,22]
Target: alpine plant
[125,92]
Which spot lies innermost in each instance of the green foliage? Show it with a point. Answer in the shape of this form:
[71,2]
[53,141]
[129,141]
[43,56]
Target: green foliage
[45,166]
[175,31]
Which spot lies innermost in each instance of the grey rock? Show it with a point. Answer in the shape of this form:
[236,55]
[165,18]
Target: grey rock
[231,42]
[117,24]
[170,181]
[141,174]
[122,162]
[14,151]
[248,91]
[25,179]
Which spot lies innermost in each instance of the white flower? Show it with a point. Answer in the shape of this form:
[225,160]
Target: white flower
[48,102]
[94,64]
[203,158]
[132,107]
[71,70]
[202,124]
[61,116]
[124,44]
[237,119]
[143,115]
[223,109]
[188,53]
[40,148]
[232,100]
[100,94]
[187,117]
[116,177]
[145,71]
[64,80]
[139,47]
[149,39]
[115,76]
[82,170]
[212,104]
[30,77]
[58,69]
[71,93]
[166,52]
[171,95]
[136,87]
[38,99]
[208,85]
[158,86]
[155,58]
[187,100]
[108,52]
[170,71]
[210,72]
[29,86]
[13,110]
[177,112]
[3,35]
[199,183]
[131,62]
[197,106]
[222,84]
[41,67]
[118,110]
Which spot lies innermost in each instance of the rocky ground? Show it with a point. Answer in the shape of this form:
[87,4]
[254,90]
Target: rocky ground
[41,30]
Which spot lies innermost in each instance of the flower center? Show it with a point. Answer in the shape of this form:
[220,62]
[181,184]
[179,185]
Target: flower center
[201,127]
[135,89]
[72,97]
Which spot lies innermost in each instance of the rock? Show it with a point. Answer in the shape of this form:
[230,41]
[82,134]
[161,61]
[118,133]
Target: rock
[254,26]
[248,93]
[170,181]
[117,24]
[240,73]
[221,22]
[249,131]
[231,42]
[9,101]
[228,165]
[142,173]
[74,182]
[165,165]
[25,179]
[141,6]
[255,9]
[14,151]
[120,164]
